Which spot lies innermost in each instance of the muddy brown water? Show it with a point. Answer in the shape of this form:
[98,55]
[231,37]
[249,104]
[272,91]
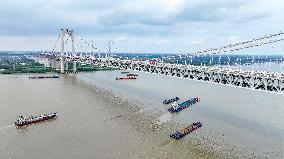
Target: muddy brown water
[99,117]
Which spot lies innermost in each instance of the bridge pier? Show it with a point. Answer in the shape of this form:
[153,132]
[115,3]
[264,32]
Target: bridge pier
[74,67]
[67,66]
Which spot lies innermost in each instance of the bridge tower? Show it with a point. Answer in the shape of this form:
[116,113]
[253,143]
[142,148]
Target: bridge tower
[70,33]
[62,60]
[110,42]
[73,51]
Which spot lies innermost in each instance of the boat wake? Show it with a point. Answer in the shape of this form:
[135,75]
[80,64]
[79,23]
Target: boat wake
[6,127]
[164,118]
[166,142]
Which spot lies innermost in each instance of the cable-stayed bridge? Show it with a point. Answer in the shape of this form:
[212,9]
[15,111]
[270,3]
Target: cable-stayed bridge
[256,80]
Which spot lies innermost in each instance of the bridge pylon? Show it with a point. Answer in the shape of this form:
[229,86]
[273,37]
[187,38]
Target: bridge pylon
[62,60]
[70,33]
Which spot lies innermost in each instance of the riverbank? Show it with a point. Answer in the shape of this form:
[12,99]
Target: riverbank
[23,64]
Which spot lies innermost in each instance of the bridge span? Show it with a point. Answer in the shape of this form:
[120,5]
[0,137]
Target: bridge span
[256,80]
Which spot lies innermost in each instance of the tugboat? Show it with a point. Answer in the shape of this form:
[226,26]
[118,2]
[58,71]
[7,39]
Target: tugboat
[22,121]
[126,78]
[181,133]
[178,107]
[130,74]
[171,100]
[41,77]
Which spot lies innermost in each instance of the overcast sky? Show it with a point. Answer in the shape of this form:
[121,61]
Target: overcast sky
[138,25]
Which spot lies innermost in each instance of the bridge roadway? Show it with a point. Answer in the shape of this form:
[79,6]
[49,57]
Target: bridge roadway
[267,81]
[257,80]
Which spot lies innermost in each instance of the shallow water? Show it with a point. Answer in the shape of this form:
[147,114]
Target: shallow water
[244,119]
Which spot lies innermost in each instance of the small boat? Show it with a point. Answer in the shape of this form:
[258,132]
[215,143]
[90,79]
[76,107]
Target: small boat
[124,72]
[171,100]
[22,121]
[126,78]
[181,133]
[130,74]
[178,107]
[41,77]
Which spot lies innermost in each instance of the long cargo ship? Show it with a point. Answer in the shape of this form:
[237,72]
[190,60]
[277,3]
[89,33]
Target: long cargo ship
[41,77]
[186,104]
[181,133]
[22,121]
[126,78]
[130,74]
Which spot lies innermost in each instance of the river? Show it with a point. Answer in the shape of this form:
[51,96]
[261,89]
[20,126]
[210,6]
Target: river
[99,117]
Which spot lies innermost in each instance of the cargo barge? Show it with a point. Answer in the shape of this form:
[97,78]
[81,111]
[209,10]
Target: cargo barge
[171,100]
[178,107]
[130,74]
[42,77]
[181,133]
[22,121]
[126,78]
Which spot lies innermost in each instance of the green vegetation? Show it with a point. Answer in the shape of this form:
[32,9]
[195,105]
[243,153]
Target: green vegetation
[89,68]
[22,64]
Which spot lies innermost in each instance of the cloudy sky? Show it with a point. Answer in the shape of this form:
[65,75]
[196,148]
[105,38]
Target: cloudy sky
[138,25]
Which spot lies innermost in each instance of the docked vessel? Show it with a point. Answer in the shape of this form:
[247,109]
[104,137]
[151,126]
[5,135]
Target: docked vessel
[181,133]
[41,77]
[171,100]
[22,121]
[126,78]
[130,74]
[186,104]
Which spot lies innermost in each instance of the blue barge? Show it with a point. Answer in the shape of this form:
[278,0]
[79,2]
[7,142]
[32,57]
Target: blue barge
[178,107]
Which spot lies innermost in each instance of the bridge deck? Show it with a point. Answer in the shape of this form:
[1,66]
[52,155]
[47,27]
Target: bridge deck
[261,80]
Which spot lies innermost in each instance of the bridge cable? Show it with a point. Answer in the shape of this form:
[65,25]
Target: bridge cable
[250,42]
[56,43]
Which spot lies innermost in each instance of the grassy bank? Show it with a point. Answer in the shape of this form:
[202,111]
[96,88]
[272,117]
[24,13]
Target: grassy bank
[22,64]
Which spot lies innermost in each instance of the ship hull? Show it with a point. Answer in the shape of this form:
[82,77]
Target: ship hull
[41,119]
[183,105]
[126,78]
[186,131]
[171,100]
